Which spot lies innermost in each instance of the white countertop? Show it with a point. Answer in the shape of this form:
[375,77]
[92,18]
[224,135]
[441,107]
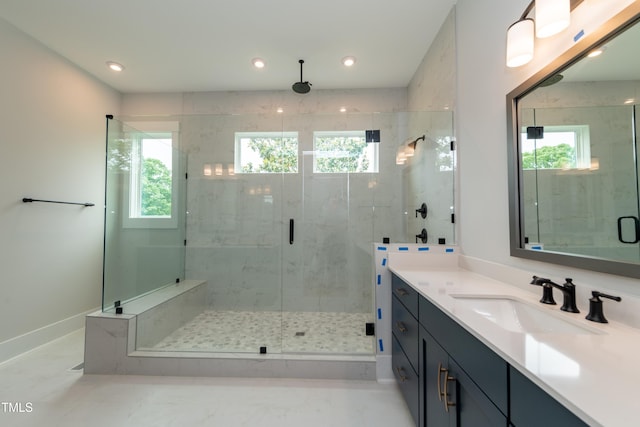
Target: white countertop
[595,375]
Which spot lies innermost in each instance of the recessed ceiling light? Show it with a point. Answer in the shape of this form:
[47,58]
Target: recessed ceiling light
[115,66]
[258,62]
[343,109]
[348,61]
[279,110]
[629,101]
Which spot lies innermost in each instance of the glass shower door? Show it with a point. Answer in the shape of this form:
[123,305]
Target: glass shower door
[327,284]
[235,230]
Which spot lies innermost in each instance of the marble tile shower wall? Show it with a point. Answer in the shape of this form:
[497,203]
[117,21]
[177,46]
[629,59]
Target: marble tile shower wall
[429,177]
[585,221]
[238,224]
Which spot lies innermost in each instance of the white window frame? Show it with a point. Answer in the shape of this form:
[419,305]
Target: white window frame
[132,191]
[239,136]
[317,154]
[582,143]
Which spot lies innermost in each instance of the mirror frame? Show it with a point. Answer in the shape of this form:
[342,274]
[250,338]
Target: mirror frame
[610,29]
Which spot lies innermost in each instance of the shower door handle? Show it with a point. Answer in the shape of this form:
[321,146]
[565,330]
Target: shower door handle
[291,225]
[636,224]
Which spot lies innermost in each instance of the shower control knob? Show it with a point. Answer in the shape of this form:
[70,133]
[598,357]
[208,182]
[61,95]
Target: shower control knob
[422,236]
[422,211]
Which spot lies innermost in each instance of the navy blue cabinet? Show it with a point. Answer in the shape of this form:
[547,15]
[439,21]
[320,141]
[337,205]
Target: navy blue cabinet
[405,337]
[450,378]
[450,397]
[532,407]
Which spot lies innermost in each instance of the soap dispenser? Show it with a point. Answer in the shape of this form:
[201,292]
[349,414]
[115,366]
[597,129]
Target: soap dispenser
[596,313]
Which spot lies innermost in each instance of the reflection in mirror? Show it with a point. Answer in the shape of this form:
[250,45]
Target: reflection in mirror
[575,196]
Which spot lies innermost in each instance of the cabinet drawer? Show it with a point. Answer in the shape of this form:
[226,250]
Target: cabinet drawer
[407,380]
[405,294]
[487,369]
[531,406]
[405,329]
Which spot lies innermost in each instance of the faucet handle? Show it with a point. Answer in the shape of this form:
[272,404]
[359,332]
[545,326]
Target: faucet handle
[596,313]
[547,289]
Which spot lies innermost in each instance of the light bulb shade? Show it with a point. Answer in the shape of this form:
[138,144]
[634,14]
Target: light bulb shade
[520,40]
[551,16]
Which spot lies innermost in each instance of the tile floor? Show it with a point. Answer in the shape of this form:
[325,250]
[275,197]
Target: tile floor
[280,332]
[59,396]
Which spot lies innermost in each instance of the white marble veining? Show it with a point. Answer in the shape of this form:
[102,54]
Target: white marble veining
[594,375]
[60,397]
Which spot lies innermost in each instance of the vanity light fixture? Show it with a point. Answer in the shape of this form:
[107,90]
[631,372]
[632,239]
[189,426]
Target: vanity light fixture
[114,66]
[348,61]
[550,18]
[258,62]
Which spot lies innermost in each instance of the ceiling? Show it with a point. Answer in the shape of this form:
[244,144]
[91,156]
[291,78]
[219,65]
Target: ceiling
[208,45]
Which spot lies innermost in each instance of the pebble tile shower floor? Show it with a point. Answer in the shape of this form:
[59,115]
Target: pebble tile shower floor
[279,332]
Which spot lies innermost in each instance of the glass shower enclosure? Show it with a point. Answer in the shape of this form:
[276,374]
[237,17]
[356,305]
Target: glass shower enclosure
[277,214]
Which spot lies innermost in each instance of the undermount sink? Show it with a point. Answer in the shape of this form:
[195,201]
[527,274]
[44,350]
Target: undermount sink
[519,316]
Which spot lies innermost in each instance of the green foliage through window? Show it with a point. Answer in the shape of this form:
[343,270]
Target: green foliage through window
[269,154]
[155,188]
[561,156]
[335,154]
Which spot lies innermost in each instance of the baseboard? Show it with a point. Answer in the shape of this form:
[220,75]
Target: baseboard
[21,344]
[384,371]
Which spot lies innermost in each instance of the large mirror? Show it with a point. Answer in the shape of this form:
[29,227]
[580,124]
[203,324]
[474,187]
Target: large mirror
[574,133]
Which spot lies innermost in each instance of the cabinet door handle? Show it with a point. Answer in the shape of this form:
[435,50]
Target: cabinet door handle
[440,371]
[446,392]
[401,374]
[402,292]
[401,327]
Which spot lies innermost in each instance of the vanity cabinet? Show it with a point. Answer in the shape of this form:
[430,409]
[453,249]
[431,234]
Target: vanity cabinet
[531,406]
[451,396]
[405,341]
[450,378]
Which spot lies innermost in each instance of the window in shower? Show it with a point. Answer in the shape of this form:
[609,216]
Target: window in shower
[344,151]
[266,152]
[561,147]
[152,181]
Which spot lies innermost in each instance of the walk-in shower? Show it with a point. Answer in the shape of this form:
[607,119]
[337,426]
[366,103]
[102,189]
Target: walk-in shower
[270,220]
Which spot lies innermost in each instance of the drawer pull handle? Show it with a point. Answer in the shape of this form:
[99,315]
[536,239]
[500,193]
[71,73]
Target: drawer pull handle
[401,374]
[401,327]
[402,292]
[440,371]
[446,393]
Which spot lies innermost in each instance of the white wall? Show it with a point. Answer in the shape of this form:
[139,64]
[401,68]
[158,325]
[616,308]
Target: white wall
[483,83]
[52,144]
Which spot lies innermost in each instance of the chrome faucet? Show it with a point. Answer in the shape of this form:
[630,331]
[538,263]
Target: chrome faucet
[568,292]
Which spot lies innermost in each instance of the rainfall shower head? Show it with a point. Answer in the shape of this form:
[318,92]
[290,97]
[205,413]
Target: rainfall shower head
[301,87]
[551,80]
